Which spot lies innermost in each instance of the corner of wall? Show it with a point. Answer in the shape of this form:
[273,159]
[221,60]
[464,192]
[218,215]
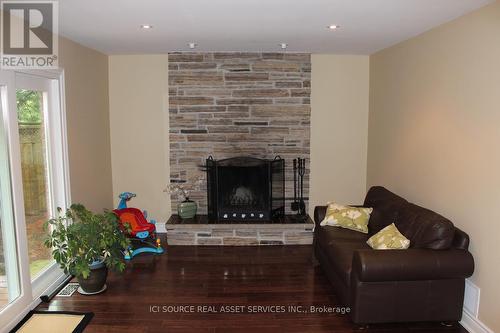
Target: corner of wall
[340,97]
[87,116]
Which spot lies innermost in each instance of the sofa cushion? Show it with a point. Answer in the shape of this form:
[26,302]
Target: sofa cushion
[353,218]
[425,228]
[412,265]
[340,254]
[386,206]
[325,235]
[389,238]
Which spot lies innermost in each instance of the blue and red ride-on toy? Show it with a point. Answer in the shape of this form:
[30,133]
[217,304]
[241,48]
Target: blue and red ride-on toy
[142,233]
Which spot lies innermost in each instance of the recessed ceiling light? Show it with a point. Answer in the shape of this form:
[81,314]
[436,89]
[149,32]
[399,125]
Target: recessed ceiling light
[283,46]
[192,45]
[146,26]
[333,27]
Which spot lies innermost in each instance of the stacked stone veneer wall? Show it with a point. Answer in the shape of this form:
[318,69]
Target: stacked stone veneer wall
[236,104]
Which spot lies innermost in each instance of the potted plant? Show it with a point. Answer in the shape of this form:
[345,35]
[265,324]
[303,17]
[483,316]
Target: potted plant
[186,208]
[85,245]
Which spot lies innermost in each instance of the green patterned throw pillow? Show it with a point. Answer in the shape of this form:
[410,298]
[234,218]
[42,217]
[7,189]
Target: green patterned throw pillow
[389,238]
[353,218]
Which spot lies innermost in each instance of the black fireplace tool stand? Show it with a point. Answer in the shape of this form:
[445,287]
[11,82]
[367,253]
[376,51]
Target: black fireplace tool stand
[298,204]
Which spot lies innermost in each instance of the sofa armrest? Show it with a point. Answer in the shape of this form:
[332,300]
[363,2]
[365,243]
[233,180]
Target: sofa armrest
[319,214]
[460,240]
[411,264]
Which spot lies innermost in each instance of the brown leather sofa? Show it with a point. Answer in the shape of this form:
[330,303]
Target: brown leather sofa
[424,283]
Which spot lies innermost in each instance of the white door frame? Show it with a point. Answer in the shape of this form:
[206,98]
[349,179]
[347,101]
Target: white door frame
[30,293]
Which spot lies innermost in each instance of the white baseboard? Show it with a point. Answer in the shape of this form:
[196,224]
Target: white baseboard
[473,324]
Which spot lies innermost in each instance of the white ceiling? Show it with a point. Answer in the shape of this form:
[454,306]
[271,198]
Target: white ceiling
[112,26]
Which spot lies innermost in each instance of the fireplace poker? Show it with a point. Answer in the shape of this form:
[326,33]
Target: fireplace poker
[295,204]
[302,171]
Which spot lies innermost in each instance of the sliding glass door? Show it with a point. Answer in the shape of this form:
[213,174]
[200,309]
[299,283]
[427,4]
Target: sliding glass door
[33,183]
[15,291]
[41,151]
[32,113]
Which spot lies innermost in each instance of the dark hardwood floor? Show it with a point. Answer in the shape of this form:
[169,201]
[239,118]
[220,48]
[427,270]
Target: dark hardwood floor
[250,277]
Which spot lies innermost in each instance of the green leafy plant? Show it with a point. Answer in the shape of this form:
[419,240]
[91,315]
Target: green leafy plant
[80,237]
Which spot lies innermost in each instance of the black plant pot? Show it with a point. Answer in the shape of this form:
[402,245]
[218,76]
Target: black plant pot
[96,281]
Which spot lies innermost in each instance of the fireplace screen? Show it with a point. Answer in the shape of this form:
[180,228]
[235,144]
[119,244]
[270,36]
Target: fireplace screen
[245,189]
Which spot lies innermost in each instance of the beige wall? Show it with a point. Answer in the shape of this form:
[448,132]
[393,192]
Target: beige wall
[87,111]
[138,101]
[139,131]
[339,128]
[434,133]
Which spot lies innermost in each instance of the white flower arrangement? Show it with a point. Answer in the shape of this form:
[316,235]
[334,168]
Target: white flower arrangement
[183,188]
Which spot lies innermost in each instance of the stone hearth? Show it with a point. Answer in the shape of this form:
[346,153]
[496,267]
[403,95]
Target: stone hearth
[199,231]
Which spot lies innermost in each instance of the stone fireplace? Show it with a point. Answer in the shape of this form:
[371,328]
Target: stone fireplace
[237,104]
[228,105]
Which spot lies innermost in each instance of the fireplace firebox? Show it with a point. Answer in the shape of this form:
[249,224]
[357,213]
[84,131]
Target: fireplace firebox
[245,189]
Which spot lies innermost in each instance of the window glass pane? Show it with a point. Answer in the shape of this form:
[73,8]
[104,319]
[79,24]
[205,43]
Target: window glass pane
[9,273]
[5,298]
[34,163]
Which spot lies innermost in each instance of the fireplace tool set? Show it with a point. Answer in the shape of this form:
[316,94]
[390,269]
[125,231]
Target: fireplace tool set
[299,169]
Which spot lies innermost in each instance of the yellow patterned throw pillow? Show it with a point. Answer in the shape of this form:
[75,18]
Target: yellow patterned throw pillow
[389,238]
[353,218]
